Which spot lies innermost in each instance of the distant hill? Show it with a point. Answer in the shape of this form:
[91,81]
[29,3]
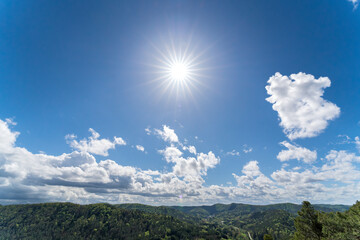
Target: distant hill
[205,211]
[138,221]
[274,219]
[95,221]
[171,211]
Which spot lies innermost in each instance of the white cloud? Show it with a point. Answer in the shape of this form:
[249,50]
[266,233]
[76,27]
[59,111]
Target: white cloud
[167,134]
[247,149]
[254,183]
[171,154]
[191,149]
[340,166]
[11,121]
[189,167]
[7,137]
[79,177]
[233,153]
[296,152]
[251,169]
[357,142]
[299,103]
[140,148]
[93,144]
[314,183]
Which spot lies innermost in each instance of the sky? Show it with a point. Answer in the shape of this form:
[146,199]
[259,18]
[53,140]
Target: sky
[180,102]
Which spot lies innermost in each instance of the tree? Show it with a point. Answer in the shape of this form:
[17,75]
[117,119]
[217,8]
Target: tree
[342,225]
[307,223]
[268,237]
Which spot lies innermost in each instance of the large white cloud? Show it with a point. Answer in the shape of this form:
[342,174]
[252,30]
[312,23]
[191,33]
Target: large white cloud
[299,103]
[79,177]
[93,144]
[296,152]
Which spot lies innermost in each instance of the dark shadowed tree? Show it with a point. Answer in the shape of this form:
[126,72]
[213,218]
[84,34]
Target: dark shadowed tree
[307,223]
[268,237]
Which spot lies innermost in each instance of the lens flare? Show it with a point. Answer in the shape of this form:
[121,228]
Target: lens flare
[179,69]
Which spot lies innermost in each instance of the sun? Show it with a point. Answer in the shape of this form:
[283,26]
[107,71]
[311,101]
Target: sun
[178,68]
[179,71]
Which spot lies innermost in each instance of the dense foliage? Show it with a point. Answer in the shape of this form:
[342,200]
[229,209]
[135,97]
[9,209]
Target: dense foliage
[219,221]
[307,223]
[312,224]
[237,221]
[96,221]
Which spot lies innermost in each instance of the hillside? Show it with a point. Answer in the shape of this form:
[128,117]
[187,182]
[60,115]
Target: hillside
[238,208]
[95,221]
[138,221]
[275,219]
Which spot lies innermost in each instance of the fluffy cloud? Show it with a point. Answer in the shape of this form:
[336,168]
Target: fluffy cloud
[296,152]
[252,169]
[341,167]
[140,148]
[337,180]
[299,103]
[93,144]
[79,177]
[189,167]
[7,137]
[167,134]
[254,183]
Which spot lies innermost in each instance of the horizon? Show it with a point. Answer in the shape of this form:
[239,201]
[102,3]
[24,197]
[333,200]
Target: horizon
[135,203]
[180,103]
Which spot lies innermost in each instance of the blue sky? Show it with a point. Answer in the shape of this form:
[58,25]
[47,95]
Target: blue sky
[271,112]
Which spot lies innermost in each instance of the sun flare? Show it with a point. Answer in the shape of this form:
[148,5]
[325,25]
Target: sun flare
[179,71]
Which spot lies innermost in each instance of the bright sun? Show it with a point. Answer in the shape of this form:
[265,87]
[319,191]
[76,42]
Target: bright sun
[179,71]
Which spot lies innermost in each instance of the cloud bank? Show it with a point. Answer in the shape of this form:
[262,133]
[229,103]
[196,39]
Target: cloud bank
[79,177]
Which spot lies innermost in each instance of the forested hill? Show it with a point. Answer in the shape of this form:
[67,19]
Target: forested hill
[275,219]
[137,221]
[216,209]
[95,221]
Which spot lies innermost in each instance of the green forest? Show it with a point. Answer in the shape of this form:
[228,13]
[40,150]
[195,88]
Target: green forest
[219,221]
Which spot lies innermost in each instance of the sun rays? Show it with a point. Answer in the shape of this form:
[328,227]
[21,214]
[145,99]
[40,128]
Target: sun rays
[179,70]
